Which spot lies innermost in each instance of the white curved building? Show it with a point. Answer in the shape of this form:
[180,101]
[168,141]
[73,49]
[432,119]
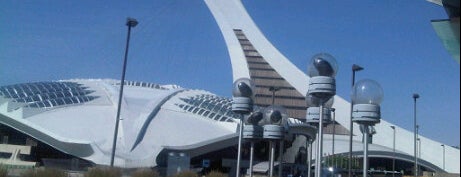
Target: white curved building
[77,117]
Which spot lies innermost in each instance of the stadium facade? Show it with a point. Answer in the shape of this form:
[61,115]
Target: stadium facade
[162,124]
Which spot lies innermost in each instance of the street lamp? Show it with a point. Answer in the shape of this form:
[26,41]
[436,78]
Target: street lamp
[275,118]
[273,90]
[130,22]
[322,85]
[415,96]
[242,104]
[443,146]
[313,118]
[253,131]
[367,96]
[351,127]
[393,151]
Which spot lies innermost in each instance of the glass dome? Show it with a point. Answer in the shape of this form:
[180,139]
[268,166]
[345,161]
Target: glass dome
[367,91]
[322,64]
[275,113]
[243,87]
[255,117]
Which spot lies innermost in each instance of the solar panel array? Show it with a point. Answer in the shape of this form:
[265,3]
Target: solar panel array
[210,106]
[47,94]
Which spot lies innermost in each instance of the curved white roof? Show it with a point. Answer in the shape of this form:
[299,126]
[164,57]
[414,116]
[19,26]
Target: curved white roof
[78,117]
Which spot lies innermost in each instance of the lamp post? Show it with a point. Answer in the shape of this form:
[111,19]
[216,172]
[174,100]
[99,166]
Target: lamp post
[418,150]
[274,117]
[443,147]
[419,147]
[313,118]
[393,151]
[415,96]
[351,127]
[130,22]
[242,104]
[367,96]
[273,90]
[253,132]
[333,136]
[322,85]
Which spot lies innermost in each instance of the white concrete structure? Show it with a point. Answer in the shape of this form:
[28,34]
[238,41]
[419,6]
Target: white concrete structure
[231,15]
[78,116]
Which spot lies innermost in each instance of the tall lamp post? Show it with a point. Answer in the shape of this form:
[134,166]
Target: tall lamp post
[313,118]
[333,136]
[273,90]
[253,131]
[443,147]
[393,151]
[130,22]
[367,96]
[351,127]
[415,96]
[242,104]
[275,118]
[322,85]
[419,147]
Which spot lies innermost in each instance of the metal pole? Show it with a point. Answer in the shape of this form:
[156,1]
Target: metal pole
[252,149]
[237,173]
[415,96]
[272,145]
[273,90]
[309,156]
[272,154]
[333,143]
[418,147]
[318,159]
[281,158]
[351,127]
[130,23]
[393,152]
[365,151]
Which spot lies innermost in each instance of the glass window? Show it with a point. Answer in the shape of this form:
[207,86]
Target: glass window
[52,102]
[75,100]
[68,100]
[29,99]
[195,110]
[201,111]
[59,94]
[68,93]
[212,115]
[60,101]
[46,104]
[223,119]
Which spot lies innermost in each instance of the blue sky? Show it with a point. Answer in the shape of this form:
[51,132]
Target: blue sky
[178,42]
